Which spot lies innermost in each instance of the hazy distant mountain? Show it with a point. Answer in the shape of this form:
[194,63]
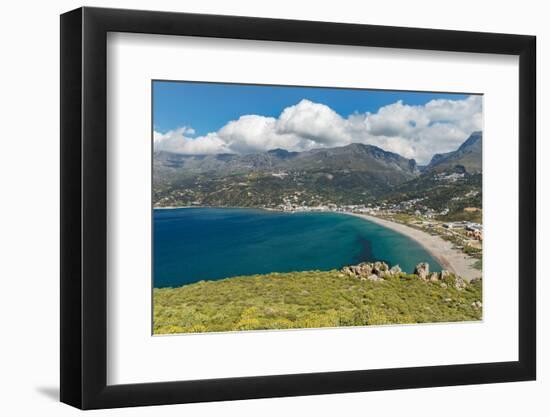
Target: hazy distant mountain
[467,157]
[383,166]
[354,157]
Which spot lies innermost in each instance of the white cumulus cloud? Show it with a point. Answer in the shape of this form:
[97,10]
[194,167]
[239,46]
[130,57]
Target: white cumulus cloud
[417,132]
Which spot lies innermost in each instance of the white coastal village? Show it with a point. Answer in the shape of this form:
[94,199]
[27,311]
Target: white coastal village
[465,233]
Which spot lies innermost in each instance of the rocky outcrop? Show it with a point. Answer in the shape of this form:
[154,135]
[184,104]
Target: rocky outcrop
[379,271]
[460,284]
[395,270]
[422,270]
[361,270]
[445,274]
[374,277]
[434,277]
[372,271]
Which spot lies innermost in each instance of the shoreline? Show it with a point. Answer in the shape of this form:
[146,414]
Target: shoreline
[450,259]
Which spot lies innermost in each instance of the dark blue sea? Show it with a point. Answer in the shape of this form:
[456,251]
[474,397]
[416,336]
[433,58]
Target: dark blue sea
[193,244]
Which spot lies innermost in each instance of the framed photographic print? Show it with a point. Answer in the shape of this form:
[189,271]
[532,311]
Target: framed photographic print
[257,208]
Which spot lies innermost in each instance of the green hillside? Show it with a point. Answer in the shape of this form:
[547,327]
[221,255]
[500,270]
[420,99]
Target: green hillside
[351,174]
[311,299]
[355,174]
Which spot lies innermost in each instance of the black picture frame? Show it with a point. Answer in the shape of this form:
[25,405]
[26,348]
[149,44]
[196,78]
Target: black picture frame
[84,207]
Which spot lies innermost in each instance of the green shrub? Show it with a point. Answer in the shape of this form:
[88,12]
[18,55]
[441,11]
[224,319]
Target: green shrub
[310,299]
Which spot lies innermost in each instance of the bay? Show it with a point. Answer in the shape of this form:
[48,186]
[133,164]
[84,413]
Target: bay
[194,244]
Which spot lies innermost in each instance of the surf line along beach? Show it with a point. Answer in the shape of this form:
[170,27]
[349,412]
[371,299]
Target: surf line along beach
[450,258]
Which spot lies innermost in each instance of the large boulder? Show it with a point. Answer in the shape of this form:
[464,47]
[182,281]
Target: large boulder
[460,284]
[434,277]
[363,269]
[395,270]
[367,271]
[374,277]
[379,267]
[347,270]
[422,270]
[352,270]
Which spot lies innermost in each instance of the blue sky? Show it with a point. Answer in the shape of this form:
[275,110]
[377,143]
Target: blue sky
[206,107]
[212,118]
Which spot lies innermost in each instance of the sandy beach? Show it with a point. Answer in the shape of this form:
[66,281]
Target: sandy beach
[451,259]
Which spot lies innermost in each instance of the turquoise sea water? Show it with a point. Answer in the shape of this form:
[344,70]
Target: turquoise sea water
[193,244]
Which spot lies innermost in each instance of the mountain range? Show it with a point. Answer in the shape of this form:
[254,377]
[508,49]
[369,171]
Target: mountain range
[353,157]
[352,174]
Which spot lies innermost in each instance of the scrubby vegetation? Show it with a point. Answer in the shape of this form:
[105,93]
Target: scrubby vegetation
[478,264]
[311,299]
[437,194]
